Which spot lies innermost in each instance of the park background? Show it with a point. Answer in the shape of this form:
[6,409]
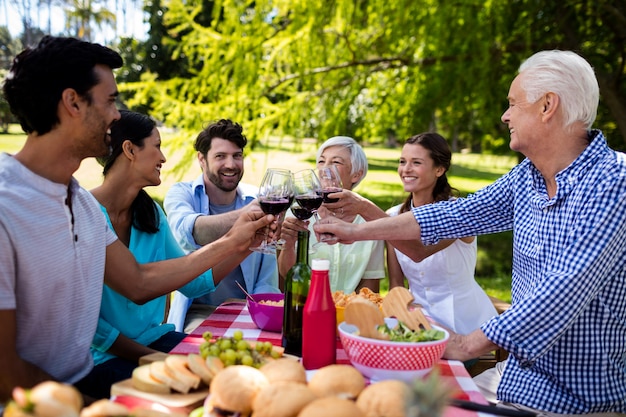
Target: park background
[296,72]
[382,185]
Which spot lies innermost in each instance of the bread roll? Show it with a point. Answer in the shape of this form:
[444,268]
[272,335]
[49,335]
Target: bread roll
[234,388]
[284,369]
[282,399]
[337,380]
[331,406]
[105,408]
[384,399]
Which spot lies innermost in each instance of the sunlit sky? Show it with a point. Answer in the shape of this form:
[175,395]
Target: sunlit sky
[129,23]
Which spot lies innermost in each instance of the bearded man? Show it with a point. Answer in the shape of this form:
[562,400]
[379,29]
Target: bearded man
[201,211]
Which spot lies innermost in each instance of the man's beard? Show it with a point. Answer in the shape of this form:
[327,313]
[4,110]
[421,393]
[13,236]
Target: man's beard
[216,180]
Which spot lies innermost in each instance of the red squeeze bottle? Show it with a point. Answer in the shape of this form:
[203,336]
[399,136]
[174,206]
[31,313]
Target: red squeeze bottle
[319,322]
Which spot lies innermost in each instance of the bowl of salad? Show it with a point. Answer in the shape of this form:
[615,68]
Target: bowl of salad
[407,355]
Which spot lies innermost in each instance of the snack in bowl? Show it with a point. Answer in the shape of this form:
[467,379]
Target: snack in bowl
[267,311]
[387,359]
[342,299]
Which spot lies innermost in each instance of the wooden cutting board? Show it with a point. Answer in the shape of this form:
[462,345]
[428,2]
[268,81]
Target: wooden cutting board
[188,401]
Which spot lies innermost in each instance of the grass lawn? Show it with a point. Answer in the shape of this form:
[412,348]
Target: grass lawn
[469,172]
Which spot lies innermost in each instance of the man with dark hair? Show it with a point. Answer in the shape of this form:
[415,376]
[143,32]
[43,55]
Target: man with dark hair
[203,210]
[55,245]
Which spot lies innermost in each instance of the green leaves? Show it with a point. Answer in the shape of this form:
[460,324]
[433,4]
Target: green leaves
[370,69]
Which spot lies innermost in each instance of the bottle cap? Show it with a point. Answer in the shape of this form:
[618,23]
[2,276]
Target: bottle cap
[320,264]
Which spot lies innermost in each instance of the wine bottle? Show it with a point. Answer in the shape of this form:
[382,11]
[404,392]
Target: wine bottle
[319,324]
[297,284]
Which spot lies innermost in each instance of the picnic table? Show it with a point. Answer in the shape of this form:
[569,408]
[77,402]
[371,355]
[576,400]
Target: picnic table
[235,316]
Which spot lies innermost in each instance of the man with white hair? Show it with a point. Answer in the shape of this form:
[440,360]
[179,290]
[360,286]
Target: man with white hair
[566,203]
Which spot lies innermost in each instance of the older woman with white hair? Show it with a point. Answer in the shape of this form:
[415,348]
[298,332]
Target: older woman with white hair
[352,266]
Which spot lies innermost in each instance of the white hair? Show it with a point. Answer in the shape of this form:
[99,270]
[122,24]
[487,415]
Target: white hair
[357,155]
[569,76]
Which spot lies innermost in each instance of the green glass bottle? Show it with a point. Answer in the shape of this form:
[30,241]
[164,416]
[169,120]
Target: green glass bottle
[297,284]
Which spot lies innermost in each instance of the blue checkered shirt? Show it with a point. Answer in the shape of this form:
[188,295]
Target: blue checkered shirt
[566,328]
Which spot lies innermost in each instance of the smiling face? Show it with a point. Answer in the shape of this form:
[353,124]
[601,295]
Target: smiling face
[340,157]
[149,159]
[417,170]
[222,166]
[522,117]
[99,115]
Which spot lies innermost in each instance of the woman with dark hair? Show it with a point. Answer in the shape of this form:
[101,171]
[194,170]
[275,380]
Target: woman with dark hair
[443,283]
[126,331]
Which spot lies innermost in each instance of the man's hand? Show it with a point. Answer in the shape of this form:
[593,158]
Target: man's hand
[466,347]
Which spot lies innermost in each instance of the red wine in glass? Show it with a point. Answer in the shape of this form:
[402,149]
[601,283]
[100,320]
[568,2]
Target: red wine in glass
[309,202]
[325,191]
[301,213]
[274,206]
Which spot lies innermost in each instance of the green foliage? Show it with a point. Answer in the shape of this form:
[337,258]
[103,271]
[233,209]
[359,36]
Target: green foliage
[468,173]
[9,48]
[81,14]
[375,70]
[6,116]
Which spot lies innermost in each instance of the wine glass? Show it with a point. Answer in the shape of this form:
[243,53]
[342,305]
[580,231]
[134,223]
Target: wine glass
[307,190]
[275,196]
[330,181]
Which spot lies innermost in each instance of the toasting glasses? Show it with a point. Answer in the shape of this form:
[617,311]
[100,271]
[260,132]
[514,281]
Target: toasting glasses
[275,196]
[330,182]
[307,190]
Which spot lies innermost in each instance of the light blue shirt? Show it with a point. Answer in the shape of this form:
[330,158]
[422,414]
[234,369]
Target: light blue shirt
[183,203]
[566,328]
[142,323]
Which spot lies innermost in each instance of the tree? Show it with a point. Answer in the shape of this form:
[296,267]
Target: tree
[372,68]
[82,13]
[9,48]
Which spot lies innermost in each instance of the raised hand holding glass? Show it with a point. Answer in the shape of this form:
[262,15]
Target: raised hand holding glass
[275,196]
[331,183]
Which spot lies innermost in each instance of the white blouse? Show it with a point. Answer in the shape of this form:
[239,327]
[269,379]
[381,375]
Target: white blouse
[444,285]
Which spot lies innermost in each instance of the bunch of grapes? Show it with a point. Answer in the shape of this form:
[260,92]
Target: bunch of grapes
[236,351]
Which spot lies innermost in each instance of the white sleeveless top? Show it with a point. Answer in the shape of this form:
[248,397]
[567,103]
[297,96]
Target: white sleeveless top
[444,285]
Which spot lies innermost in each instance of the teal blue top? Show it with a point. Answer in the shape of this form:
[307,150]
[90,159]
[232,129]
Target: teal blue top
[142,323]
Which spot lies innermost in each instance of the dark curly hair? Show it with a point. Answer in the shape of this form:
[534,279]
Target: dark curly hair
[39,75]
[225,129]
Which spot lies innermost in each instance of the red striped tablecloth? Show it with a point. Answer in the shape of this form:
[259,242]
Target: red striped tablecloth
[234,316]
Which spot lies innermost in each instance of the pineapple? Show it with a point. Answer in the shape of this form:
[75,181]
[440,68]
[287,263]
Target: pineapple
[428,396]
